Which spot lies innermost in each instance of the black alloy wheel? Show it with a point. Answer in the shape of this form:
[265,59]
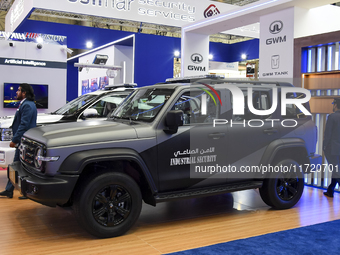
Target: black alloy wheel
[108,204]
[111,206]
[287,188]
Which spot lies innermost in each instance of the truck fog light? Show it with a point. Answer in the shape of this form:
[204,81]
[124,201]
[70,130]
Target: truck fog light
[34,189]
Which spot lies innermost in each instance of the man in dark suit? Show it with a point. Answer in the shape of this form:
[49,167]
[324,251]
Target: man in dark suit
[24,119]
[331,145]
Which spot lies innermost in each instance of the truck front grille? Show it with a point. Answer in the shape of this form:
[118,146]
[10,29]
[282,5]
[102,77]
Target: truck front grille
[28,150]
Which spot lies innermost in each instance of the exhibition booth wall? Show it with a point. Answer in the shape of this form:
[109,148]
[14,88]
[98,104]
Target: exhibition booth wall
[45,68]
[154,55]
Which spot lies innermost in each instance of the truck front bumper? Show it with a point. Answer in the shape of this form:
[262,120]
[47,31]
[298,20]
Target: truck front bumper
[50,191]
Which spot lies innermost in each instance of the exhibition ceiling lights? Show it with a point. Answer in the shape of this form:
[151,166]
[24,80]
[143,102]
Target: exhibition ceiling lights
[5,5]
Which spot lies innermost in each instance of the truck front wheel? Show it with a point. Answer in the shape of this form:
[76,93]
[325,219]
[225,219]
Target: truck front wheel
[108,205]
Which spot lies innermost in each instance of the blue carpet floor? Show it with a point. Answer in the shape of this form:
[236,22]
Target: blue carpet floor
[320,239]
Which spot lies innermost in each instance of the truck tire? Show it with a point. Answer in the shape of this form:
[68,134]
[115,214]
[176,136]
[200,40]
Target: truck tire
[108,205]
[283,190]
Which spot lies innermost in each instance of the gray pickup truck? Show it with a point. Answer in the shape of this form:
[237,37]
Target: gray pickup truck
[180,139]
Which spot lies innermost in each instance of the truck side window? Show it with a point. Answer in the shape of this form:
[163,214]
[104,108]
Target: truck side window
[292,112]
[107,104]
[261,101]
[197,107]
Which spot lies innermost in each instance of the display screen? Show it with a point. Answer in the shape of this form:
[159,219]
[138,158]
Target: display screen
[40,92]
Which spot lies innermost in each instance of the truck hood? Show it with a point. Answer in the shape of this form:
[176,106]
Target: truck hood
[48,118]
[86,132]
[42,118]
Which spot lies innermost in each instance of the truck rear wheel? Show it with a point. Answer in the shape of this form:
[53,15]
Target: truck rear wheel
[283,190]
[108,205]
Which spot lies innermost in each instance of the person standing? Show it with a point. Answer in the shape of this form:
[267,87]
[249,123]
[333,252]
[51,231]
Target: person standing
[331,145]
[24,119]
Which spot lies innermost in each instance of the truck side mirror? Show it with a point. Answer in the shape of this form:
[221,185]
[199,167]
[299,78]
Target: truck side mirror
[173,120]
[88,113]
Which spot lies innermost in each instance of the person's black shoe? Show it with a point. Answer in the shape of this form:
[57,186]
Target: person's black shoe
[6,193]
[327,194]
[22,197]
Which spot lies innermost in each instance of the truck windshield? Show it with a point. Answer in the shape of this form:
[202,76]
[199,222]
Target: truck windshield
[75,104]
[143,104]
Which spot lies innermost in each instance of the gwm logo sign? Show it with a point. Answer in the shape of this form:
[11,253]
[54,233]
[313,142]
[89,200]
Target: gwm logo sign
[196,58]
[196,68]
[276,27]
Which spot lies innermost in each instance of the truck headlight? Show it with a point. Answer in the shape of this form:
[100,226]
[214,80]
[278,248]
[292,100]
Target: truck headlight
[6,134]
[39,158]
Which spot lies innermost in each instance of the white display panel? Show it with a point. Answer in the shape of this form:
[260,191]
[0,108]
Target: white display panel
[54,77]
[195,55]
[277,44]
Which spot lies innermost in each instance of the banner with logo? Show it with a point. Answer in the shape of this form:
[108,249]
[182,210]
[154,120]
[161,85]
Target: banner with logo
[34,37]
[164,12]
[277,44]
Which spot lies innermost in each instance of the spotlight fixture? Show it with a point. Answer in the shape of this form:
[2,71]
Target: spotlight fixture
[211,56]
[244,56]
[39,46]
[11,44]
[177,53]
[40,40]
[89,44]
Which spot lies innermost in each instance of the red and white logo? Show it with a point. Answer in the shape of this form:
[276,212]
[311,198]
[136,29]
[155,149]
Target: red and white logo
[211,11]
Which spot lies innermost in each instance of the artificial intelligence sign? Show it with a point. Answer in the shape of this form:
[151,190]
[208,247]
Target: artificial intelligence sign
[32,63]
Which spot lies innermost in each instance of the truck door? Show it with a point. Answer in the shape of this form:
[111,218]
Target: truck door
[187,159]
[249,136]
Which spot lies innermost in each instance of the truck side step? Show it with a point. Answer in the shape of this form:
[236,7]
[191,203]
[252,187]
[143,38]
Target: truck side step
[167,196]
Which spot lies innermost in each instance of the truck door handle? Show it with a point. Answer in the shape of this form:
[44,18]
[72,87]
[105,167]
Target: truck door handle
[216,135]
[270,131]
